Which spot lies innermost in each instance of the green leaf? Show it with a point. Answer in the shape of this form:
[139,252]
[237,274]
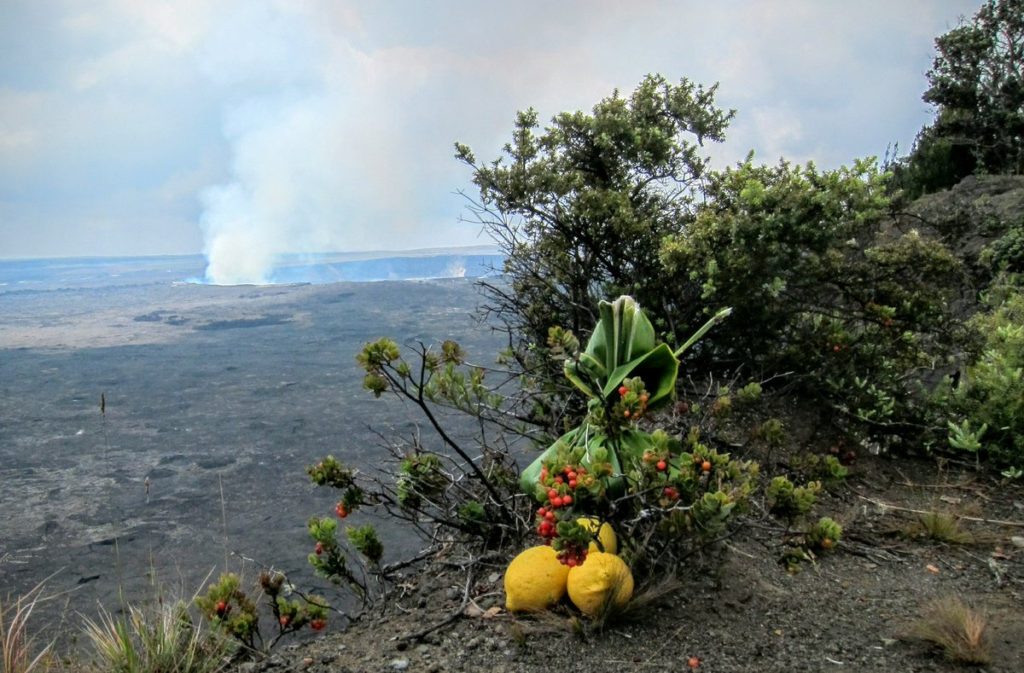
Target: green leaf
[657,368]
[622,334]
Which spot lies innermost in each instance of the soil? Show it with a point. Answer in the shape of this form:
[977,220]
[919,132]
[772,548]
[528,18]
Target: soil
[850,610]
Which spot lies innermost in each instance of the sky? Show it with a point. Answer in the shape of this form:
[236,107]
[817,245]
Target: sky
[244,129]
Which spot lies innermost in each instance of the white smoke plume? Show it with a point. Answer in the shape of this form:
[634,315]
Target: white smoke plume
[321,158]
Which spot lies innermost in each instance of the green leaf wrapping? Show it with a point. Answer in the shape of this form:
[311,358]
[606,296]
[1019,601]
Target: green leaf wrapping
[657,368]
[623,346]
[627,449]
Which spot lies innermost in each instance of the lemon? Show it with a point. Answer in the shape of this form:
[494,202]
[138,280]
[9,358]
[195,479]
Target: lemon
[604,580]
[534,580]
[606,535]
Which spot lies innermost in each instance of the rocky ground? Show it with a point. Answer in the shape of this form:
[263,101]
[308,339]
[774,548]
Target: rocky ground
[849,611]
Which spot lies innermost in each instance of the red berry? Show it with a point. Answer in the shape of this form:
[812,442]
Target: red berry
[542,511]
[566,499]
[626,413]
[693,662]
[573,483]
[706,466]
[559,480]
[571,562]
[222,607]
[319,549]
[571,475]
[552,494]
[836,348]
[284,620]
[557,501]
[623,390]
[341,510]
[550,516]
[662,466]
[317,624]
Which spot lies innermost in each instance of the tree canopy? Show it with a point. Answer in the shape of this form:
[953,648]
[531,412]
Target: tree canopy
[581,206]
[977,86]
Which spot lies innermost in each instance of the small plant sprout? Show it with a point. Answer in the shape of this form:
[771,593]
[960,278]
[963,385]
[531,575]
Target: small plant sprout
[824,535]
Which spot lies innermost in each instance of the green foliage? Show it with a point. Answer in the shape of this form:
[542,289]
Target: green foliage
[158,639]
[791,502]
[965,438]
[749,394]
[772,432]
[329,559]
[230,609]
[624,372]
[421,476]
[990,397]
[826,468]
[977,84]
[1006,253]
[579,210]
[233,611]
[365,540]
[827,288]
[823,535]
[331,472]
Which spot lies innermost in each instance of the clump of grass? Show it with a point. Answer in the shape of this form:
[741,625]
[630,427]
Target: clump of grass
[957,629]
[941,527]
[16,642]
[157,639]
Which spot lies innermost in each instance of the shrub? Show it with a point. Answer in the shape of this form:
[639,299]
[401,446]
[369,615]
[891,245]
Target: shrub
[829,287]
[579,210]
[824,534]
[988,404]
[791,502]
[235,612]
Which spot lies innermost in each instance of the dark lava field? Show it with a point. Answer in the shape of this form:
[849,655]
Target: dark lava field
[216,398]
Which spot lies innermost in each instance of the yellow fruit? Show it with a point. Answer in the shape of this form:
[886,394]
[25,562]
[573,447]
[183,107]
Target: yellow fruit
[534,580]
[603,581]
[606,535]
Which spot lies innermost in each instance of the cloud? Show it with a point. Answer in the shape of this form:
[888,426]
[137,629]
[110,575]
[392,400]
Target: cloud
[251,128]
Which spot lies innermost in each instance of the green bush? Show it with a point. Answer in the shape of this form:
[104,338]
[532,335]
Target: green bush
[828,287]
[579,208]
[989,400]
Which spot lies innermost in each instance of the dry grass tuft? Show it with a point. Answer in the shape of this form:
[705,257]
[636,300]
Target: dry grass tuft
[156,639]
[956,628]
[941,527]
[16,642]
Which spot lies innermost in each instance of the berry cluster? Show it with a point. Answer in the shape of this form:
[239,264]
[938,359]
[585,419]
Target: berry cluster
[632,399]
[562,486]
[573,554]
